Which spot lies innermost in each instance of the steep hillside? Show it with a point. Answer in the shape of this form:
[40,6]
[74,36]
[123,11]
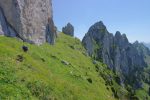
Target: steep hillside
[53,72]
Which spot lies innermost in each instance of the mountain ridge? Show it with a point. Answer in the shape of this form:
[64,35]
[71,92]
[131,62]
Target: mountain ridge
[118,54]
[146,44]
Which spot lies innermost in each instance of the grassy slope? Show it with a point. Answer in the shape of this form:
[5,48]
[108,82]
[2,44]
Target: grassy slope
[42,75]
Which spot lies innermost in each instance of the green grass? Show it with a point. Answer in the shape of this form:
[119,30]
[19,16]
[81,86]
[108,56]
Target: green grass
[41,75]
[142,94]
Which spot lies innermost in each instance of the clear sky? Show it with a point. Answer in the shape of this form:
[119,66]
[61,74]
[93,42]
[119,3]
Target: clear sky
[131,17]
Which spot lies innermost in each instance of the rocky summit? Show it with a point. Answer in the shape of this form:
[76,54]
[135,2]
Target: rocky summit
[116,52]
[30,20]
[68,29]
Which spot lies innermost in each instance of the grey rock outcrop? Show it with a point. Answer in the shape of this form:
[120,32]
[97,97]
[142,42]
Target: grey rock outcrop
[98,42]
[89,44]
[30,20]
[69,29]
[115,51]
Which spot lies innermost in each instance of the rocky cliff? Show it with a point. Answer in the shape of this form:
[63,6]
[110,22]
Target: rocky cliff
[116,52]
[30,20]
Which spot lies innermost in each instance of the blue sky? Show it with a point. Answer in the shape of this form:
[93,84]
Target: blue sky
[131,17]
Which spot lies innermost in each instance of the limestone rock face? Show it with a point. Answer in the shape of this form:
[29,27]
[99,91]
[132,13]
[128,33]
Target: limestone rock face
[101,45]
[69,29]
[30,20]
[89,44]
[115,51]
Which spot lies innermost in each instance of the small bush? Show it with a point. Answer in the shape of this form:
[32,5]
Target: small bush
[40,90]
[89,80]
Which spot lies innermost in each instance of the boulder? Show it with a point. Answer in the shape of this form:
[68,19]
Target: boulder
[65,62]
[25,48]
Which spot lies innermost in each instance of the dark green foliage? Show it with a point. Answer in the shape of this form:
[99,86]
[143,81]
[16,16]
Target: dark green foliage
[20,58]
[117,79]
[89,80]
[114,92]
[134,98]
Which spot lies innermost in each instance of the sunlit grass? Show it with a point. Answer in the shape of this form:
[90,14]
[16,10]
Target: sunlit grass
[42,75]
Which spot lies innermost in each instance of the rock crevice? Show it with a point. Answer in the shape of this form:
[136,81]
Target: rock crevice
[5,28]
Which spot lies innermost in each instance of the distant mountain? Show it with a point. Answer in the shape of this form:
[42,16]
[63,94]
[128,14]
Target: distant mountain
[147,44]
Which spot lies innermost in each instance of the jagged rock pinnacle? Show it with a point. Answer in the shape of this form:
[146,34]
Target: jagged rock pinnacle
[68,29]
